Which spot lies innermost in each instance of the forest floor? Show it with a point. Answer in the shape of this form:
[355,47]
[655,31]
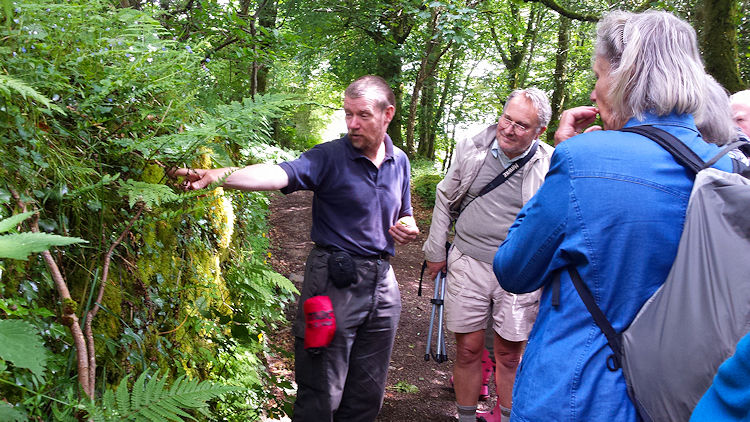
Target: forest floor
[417,390]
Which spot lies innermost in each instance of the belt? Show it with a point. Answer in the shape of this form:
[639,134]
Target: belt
[331,249]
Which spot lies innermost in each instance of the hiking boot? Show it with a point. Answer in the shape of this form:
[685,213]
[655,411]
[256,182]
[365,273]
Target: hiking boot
[494,415]
[491,416]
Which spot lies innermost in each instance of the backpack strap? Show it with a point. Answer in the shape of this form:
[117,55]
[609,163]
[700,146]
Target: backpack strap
[502,177]
[723,152]
[508,172]
[614,362]
[684,155]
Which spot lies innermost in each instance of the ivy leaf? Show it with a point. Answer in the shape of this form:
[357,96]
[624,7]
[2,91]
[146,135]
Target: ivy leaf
[21,344]
[19,246]
[150,193]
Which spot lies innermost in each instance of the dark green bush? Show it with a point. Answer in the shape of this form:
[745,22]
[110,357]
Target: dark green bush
[424,188]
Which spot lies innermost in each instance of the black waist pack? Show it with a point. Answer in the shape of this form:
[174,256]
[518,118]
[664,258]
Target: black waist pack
[342,270]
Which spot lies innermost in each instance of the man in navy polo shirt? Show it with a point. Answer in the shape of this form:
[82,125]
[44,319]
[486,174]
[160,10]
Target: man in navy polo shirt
[361,206]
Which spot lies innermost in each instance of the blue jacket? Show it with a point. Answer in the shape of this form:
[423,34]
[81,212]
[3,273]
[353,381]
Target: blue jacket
[728,398]
[613,204]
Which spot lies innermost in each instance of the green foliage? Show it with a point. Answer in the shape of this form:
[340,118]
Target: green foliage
[7,84]
[424,179]
[10,414]
[151,194]
[405,387]
[20,245]
[93,98]
[150,400]
[424,187]
[21,345]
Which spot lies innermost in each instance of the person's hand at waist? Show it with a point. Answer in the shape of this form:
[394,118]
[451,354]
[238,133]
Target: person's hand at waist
[404,231]
[433,268]
[575,121]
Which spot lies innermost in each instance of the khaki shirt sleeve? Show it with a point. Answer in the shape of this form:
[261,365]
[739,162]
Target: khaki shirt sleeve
[448,198]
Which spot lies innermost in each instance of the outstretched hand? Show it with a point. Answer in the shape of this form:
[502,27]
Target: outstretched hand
[404,231]
[575,121]
[195,178]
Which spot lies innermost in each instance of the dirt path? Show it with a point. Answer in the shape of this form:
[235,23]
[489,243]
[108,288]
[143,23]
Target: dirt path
[432,400]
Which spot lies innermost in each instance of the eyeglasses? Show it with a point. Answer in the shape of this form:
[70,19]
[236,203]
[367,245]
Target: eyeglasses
[519,128]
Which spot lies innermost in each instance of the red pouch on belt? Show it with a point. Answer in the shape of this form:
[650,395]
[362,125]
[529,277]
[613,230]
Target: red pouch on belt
[320,322]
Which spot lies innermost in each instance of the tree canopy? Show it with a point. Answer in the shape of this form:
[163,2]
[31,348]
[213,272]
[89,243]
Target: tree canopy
[107,269]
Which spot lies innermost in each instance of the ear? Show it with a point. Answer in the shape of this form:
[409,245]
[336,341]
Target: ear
[389,111]
[541,131]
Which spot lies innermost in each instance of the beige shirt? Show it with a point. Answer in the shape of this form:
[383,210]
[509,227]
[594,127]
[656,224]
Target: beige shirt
[469,156]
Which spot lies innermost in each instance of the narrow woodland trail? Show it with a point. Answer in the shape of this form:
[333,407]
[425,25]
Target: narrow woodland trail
[432,399]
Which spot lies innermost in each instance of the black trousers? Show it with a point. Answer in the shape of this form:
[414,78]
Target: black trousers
[346,381]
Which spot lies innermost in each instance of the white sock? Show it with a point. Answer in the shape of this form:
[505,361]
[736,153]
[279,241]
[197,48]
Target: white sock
[504,413]
[466,413]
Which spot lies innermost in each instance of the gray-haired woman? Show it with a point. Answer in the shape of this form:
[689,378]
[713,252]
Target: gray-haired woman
[613,206]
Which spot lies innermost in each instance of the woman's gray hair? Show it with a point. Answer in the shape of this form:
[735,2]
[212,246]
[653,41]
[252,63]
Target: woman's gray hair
[540,101]
[655,64]
[715,121]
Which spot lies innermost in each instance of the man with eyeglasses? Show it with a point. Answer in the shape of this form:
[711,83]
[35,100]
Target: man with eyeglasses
[492,176]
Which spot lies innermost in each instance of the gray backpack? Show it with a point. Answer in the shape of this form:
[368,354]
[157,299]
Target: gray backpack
[671,351]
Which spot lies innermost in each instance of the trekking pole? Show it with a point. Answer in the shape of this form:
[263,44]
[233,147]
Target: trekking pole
[427,353]
[437,308]
[441,355]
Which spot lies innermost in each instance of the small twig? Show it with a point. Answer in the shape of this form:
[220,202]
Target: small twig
[175,329]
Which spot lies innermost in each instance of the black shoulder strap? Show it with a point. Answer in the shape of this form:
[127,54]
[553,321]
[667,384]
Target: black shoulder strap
[724,150]
[508,172]
[613,338]
[684,155]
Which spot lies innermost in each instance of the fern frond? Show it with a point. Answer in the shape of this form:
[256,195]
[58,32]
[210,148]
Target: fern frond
[150,193]
[7,83]
[150,400]
[20,245]
[136,396]
[123,397]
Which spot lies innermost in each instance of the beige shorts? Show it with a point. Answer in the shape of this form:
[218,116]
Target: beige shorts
[473,294]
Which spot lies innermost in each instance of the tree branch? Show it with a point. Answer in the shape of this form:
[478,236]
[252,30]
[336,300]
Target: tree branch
[69,317]
[88,330]
[554,5]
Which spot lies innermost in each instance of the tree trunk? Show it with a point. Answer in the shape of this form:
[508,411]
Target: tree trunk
[389,68]
[560,77]
[430,61]
[426,147]
[719,43]
[267,13]
[517,48]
